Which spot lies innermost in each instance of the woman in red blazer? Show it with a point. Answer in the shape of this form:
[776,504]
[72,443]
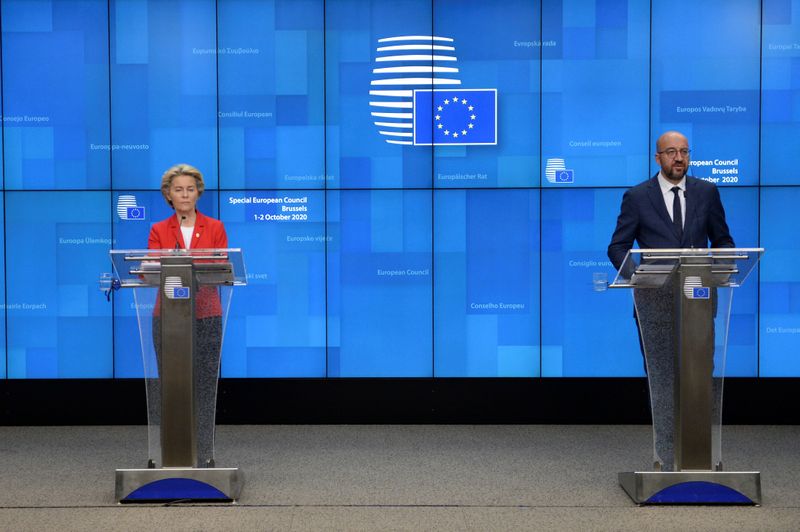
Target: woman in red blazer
[188,228]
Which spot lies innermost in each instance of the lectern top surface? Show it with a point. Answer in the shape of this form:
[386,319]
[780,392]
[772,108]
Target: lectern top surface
[134,267]
[649,268]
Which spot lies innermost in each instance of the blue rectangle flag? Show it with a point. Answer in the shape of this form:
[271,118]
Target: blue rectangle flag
[180,292]
[700,292]
[455,116]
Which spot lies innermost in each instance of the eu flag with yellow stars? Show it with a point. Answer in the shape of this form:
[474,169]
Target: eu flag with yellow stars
[455,116]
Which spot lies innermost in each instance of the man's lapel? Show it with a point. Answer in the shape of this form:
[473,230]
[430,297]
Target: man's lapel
[657,200]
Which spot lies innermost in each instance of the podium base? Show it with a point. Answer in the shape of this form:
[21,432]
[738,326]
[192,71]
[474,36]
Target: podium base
[171,484]
[692,487]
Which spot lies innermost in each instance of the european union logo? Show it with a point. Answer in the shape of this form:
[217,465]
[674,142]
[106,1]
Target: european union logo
[693,288]
[180,292]
[174,289]
[128,208]
[701,292]
[565,176]
[134,213]
[556,171]
[465,117]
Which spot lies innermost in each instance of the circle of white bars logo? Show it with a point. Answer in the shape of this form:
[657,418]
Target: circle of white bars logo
[416,96]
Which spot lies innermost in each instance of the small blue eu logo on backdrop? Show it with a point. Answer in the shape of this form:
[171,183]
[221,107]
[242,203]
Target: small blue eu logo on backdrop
[135,213]
[557,172]
[565,176]
[128,208]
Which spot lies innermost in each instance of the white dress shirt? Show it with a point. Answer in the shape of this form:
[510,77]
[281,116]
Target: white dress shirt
[666,192]
[187,235]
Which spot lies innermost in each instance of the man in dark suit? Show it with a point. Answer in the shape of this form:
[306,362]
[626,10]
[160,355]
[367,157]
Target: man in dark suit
[670,210]
[646,215]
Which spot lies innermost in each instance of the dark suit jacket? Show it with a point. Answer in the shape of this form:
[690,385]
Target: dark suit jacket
[208,233]
[644,218]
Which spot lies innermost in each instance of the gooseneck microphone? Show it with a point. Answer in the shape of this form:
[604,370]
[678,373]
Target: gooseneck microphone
[180,225]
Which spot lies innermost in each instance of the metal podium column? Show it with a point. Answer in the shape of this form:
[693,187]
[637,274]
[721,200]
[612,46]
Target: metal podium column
[178,413]
[694,364]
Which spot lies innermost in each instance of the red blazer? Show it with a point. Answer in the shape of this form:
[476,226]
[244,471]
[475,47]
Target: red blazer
[208,233]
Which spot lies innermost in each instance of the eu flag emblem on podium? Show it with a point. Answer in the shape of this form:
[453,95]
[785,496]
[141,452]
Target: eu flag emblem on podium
[464,117]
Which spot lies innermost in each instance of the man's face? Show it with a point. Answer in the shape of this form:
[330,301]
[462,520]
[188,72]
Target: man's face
[673,156]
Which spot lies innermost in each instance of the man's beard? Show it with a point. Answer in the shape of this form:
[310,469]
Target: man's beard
[677,175]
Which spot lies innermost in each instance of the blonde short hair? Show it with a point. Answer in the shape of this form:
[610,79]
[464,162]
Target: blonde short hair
[175,171]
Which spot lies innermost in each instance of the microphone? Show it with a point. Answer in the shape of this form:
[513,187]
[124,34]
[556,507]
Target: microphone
[180,224]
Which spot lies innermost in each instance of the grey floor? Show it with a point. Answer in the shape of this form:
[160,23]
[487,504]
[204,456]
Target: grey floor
[529,477]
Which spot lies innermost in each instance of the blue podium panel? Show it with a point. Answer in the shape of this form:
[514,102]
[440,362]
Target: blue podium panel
[780,283]
[59,325]
[271,99]
[780,91]
[595,101]
[486,283]
[487,131]
[576,341]
[55,94]
[133,214]
[276,327]
[377,53]
[379,283]
[163,90]
[705,83]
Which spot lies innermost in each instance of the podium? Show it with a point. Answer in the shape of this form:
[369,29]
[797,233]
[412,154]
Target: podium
[182,298]
[682,300]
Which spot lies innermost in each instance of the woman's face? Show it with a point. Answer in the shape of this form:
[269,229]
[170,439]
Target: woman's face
[183,193]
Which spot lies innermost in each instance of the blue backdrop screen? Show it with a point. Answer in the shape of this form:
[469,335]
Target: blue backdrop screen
[705,82]
[457,167]
[163,87]
[595,92]
[57,324]
[486,289]
[55,95]
[379,276]
[270,59]
[278,322]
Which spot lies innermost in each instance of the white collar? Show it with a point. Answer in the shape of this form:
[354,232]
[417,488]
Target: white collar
[666,186]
